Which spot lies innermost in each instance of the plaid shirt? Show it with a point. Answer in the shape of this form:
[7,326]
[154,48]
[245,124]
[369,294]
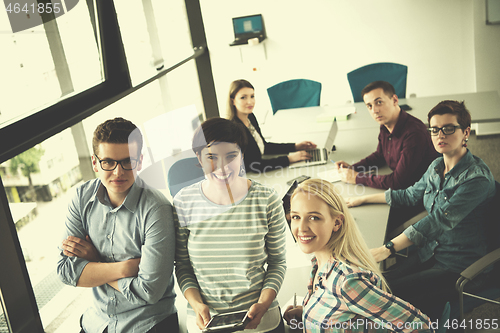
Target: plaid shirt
[349,299]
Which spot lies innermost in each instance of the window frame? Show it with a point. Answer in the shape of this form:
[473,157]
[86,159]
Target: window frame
[16,291]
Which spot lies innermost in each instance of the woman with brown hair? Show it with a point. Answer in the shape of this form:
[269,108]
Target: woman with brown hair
[240,105]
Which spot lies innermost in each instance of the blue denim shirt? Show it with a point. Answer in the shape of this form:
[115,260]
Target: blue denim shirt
[142,226]
[453,230]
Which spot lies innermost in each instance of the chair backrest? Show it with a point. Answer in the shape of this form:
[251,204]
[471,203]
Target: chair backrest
[183,173]
[445,316]
[491,288]
[492,225]
[393,73]
[294,94]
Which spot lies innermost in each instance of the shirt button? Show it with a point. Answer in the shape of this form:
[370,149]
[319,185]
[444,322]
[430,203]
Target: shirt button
[109,236]
[444,198]
[390,139]
[110,257]
[110,316]
[112,298]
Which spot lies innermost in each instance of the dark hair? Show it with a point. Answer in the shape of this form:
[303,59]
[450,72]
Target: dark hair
[235,86]
[386,86]
[219,130]
[116,130]
[455,108]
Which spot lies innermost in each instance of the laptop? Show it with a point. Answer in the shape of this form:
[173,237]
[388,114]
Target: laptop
[248,27]
[286,205]
[320,155]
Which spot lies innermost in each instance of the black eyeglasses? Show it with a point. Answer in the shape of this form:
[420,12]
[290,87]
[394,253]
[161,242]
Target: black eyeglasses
[110,165]
[447,130]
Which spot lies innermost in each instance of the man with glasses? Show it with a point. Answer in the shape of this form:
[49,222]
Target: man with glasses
[403,143]
[119,240]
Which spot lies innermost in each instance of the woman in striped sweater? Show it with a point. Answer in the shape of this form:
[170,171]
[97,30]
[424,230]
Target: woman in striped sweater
[230,247]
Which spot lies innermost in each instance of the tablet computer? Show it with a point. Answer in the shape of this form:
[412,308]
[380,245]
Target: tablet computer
[227,322]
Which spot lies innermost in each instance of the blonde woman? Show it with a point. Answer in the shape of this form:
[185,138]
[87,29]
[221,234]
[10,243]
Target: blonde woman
[347,291]
[240,105]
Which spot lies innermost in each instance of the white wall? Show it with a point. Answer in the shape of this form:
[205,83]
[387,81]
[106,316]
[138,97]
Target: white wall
[487,50]
[325,39]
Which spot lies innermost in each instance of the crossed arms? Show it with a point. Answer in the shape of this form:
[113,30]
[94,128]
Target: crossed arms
[141,269]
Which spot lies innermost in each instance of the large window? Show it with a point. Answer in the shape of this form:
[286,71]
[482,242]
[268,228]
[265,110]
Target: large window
[54,98]
[39,209]
[43,64]
[3,322]
[159,37]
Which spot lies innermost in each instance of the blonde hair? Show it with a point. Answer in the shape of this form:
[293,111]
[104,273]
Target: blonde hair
[235,86]
[346,243]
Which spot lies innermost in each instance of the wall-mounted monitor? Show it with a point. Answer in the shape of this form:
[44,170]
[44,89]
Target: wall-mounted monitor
[248,27]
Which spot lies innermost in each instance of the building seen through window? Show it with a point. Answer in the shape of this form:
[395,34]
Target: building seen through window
[36,73]
[39,206]
[39,182]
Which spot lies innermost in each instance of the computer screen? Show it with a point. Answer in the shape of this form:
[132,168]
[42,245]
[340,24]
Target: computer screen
[247,24]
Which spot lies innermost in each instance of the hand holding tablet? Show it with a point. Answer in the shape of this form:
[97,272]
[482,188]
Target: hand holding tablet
[227,322]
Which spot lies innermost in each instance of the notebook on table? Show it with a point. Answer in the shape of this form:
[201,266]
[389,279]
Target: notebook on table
[319,155]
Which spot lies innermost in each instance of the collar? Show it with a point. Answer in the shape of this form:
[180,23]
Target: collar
[328,266]
[251,116]
[131,200]
[461,166]
[400,124]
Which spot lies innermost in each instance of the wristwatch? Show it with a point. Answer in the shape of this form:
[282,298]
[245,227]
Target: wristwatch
[390,246]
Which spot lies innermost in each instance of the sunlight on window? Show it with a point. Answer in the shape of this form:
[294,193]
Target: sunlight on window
[39,183]
[154,37]
[3,322]
[27,60]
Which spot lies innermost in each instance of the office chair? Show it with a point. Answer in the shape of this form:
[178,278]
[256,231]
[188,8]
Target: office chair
[444,318]
[393,73]
[183,173]
[294,94]
[491,290]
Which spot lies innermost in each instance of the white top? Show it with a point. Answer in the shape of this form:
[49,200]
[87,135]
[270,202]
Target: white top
[257,138]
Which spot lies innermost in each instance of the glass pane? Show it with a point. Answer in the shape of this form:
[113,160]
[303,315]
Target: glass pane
[38,184]
[155,35]
[28,61]
[39,209]
[171,104]
[173,29]
[3,323]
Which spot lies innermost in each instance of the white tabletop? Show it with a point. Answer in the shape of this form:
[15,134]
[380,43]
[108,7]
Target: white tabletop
[351,146]
[483,106]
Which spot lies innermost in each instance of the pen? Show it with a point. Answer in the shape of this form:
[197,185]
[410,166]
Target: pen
[332,161]
[294,300]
